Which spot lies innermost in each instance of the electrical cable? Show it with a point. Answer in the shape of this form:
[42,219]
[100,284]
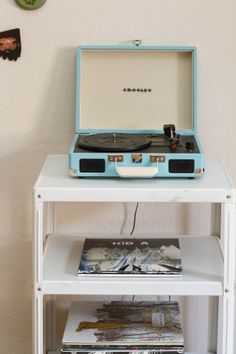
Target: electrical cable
[134,218]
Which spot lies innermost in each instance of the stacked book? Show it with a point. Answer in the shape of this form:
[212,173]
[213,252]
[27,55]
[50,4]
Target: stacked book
[121,327]
[156,256]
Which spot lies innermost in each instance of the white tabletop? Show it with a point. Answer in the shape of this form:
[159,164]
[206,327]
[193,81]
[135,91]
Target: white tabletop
[55,184]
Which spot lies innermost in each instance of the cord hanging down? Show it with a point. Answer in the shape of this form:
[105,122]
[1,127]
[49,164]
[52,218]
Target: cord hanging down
[134,218]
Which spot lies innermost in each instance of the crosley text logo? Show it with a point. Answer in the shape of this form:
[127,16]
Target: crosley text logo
[146,90]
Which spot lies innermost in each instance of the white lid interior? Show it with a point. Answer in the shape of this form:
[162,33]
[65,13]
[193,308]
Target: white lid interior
[105,105]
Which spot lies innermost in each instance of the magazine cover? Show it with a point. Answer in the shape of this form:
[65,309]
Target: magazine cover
[160,256]
[123,325]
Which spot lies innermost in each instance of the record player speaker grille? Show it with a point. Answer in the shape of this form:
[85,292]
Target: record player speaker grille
[92,165]
[181,166]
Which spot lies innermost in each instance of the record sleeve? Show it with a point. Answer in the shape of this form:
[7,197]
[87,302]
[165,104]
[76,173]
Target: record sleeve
[156,256]
[160,351]
[120,324]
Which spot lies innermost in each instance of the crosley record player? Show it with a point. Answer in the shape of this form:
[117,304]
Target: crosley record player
[136,113]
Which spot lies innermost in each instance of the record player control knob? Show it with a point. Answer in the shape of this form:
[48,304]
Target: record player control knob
[137,158]
[173,144]
[190,146]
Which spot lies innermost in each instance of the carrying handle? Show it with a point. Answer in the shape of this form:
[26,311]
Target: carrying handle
[137,172]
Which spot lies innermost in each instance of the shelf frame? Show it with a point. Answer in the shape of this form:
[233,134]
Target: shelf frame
[54,185]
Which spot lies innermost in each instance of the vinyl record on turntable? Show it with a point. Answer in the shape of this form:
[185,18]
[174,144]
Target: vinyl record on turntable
[114,142]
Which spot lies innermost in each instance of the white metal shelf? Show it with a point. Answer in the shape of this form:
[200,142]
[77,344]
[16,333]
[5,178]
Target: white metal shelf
[55,184]
[202,271]
[208,262]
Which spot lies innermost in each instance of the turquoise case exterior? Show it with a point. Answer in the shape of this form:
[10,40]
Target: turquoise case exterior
[110,171]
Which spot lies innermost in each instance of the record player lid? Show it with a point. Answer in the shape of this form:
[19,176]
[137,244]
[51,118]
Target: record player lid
[135,88]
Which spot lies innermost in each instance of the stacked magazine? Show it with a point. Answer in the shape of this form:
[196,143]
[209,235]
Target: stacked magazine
[121,327]
[156,256]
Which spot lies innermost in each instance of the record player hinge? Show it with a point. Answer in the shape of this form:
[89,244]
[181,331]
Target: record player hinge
[137,42]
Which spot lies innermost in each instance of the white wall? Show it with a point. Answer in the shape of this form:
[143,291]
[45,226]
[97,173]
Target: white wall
[37,118]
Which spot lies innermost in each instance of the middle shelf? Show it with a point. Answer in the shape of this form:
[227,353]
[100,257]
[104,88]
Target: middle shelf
[201,260]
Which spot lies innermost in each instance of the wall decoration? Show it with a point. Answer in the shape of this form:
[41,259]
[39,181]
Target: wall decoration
[10,44]
[30,4]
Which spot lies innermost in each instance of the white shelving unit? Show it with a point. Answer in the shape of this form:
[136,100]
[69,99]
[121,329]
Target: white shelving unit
[208,262]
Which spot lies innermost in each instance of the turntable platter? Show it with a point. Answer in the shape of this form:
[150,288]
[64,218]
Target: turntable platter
[114,142]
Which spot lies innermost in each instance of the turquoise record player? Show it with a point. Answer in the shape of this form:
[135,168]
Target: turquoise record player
[136,113]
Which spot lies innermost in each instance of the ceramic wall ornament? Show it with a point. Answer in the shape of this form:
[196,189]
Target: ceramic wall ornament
[30,4]
[10,44]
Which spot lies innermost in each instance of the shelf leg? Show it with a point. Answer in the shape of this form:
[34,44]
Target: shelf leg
[38,344]
[38,242]
[51,300]
[227,308]
[38,336]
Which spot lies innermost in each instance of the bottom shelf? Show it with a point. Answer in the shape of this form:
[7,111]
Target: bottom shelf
[185,353]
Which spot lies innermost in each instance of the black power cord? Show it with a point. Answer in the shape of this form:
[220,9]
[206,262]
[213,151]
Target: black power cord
[134,218]
[133,228]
